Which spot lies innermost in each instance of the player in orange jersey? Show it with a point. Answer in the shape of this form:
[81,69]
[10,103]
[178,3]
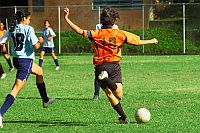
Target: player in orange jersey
[107,44]
[96,84]
[4,49]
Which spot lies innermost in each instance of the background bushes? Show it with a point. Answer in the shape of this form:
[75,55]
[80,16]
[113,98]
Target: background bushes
[170,42]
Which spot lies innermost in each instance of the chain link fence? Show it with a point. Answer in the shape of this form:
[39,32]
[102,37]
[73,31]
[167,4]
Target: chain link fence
[181,19]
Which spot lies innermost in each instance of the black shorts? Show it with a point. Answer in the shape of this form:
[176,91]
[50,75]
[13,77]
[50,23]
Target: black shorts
[114,72]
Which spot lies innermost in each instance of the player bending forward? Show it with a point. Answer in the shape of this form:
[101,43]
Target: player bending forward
[107,44]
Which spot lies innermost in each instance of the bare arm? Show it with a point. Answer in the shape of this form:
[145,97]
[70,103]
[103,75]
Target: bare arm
[37,45]
[71,24]
[152,41]
[51,37]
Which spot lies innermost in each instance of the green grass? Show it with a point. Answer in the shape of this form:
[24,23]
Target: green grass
[167,85]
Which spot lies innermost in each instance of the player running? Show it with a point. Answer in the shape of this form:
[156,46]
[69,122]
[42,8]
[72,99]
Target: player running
[107,44]
[24,41]
[4,49]
[48,44]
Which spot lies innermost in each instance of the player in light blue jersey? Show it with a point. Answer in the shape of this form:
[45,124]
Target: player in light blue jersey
[24,41]
[48,44]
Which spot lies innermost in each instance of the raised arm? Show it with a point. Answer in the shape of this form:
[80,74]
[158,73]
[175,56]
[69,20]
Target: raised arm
[71,24]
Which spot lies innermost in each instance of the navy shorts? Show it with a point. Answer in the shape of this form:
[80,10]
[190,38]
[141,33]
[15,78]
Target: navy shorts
[48,49]
[23,67]
[114,73]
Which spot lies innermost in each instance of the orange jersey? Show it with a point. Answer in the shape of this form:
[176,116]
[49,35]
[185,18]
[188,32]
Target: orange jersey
[107,43]
[2,32]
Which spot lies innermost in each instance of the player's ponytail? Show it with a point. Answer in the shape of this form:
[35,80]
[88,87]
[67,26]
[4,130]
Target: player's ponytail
[17,18]
[13,25]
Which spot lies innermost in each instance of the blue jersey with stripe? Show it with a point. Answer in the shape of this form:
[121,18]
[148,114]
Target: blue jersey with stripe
[23,41]
[47,32]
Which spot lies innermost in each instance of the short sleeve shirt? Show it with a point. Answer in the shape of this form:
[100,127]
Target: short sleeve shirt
[47,32]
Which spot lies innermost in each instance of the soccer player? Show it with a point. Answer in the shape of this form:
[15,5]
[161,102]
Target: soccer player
[48,44]
[24,41]
[4,49]
[107,44]
[96,84]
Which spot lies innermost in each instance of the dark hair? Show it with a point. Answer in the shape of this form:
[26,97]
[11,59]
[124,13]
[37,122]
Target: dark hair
[108,17]
[19,15]
[47,21]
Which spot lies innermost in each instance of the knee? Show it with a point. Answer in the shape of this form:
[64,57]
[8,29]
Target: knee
[109,95]
[40,72]
[119,96]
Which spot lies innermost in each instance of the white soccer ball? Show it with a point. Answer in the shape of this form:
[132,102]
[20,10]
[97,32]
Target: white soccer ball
[142,115]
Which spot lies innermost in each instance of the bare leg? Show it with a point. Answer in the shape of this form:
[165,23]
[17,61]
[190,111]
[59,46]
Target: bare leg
[37,70]
[116,104]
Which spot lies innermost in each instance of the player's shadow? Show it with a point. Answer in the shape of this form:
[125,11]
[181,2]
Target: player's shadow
[58,98]
[48,123]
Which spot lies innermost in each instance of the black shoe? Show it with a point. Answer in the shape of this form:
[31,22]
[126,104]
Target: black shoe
[121,121]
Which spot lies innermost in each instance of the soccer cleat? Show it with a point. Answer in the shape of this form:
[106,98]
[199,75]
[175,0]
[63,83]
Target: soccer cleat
[103,75]
[51,100]
[1,121]
[95,97]
[57,68]
[121,121]
[3,75]
[11,69]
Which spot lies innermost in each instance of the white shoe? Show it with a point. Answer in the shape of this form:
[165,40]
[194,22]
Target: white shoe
[95,97]
[3,75]
[1,121]
[57,68]
[51,100]
[103,75]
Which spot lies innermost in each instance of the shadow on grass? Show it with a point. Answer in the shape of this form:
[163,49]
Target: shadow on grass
[63,98]
[48,123]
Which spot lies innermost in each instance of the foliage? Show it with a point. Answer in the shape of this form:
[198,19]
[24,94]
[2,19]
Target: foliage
[170,42]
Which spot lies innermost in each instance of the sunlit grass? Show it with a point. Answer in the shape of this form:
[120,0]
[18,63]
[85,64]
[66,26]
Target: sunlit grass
[167,85]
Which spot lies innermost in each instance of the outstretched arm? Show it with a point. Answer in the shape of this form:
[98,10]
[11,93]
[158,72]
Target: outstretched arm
[152,41]
[71,24]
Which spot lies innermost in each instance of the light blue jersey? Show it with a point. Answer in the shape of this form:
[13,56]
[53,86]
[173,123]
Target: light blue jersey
[47,32]
[23,41]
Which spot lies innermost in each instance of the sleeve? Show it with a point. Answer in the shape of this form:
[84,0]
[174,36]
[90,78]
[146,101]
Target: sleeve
[98,26]
[132,38]
[4,38]
[87,34]
[32,38]
[52,33]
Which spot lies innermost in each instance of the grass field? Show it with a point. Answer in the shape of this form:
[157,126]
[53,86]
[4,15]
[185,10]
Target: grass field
[167,85]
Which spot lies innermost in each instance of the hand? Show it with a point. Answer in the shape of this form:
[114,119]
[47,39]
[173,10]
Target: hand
[49,38]
[40,39]
[154,40]
[66,13]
